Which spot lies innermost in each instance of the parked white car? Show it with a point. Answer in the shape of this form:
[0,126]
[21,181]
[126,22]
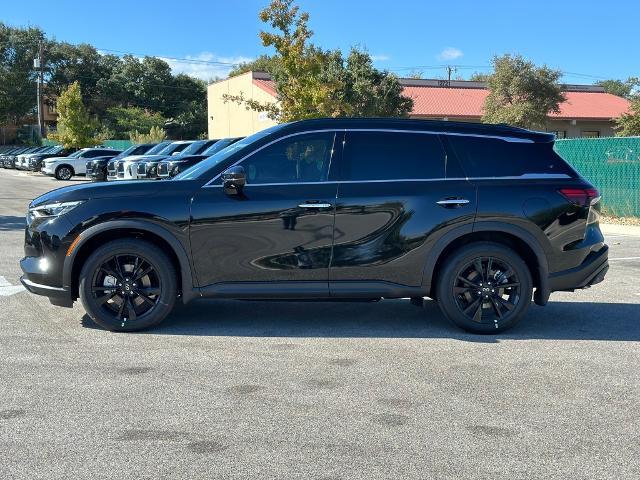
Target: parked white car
[63,168]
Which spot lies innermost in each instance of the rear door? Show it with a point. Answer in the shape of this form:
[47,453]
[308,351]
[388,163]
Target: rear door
[399,192]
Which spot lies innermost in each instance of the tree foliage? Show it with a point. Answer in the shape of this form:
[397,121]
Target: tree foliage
[621,88]
[628,124]
[106,81]
[155,135]
[18,48]
[522,94]
[124,120]
[311,82]
[76,128]
[264,63]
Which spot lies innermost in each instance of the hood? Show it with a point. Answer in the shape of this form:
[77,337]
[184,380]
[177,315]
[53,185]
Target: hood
[138,158]
[90,191]
[55,159]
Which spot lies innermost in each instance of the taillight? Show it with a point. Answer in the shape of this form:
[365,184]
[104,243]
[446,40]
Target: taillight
[584,197]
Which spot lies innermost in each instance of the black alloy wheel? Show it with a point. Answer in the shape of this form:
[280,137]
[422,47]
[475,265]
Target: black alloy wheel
[128,285]
[486,290]
[484,287]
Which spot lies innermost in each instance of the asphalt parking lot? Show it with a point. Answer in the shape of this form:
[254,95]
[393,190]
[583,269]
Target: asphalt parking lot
[230,390]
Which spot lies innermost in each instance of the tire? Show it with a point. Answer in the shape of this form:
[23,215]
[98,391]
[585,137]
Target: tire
[482,302]
[114,298]
[64,172]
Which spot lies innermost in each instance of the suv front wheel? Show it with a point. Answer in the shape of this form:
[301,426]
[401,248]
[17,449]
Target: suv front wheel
[64,172]
[128,285]
[484,287]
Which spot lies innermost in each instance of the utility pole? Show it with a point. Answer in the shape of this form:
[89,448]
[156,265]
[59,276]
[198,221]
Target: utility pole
[450,69]
[38,63]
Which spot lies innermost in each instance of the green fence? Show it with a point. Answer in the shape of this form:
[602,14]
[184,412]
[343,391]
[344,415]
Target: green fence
[612,165]
[115,144]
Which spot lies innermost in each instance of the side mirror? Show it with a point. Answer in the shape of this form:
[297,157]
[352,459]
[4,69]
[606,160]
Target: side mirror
[234,180]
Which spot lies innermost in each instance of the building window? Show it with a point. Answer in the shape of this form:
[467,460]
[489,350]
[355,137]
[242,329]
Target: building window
[591,133]
[560,134]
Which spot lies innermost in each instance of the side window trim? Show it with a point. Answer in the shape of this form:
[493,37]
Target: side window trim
[273,142]
[343,169]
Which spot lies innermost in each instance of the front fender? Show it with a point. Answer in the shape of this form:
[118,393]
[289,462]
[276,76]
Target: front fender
[186,270]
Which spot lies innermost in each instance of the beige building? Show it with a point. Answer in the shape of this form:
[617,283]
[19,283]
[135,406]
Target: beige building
[587,112]
[228,119]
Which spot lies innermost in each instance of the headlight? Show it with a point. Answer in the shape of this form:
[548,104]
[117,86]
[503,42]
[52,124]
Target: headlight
[53,209]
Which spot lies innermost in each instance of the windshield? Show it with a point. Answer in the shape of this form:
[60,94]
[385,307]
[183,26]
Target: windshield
[77,154]
[173,147]
[199,168]
[219,145]
[193,148]
[157,149]
[126,153]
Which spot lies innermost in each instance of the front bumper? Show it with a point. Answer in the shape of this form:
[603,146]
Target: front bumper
[47,170]
[590,272]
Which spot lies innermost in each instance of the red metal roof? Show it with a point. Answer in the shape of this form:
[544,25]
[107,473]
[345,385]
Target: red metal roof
[468,102]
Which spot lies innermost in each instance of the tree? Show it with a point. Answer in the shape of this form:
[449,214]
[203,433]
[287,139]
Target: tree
[619,87]
[18,48]
[628,124]
[522,94]
[155,135]
[311,82]
[124,120]
[264,63]
[479,77]
[76,128]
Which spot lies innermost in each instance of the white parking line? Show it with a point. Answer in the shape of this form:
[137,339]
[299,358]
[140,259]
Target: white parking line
[7,289]
[625,258]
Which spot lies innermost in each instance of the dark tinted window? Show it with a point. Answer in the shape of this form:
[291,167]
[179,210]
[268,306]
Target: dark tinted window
[491,157]
[389,156]
[301,158]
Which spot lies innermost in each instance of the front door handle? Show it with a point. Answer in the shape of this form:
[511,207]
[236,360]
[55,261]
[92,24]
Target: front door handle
[452,202]
[315,205]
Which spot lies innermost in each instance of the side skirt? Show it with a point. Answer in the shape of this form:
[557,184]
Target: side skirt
[310,290]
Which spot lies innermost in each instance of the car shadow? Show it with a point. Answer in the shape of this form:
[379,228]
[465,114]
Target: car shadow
[391,319]
[11,222]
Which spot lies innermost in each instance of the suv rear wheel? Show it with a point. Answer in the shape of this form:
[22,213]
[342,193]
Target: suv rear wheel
[484,287]
[64,172]
[128,285]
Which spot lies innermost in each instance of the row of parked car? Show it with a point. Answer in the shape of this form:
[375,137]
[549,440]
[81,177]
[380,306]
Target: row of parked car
[143,161]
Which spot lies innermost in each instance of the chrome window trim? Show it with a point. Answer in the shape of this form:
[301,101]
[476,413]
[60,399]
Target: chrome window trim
[531,176]
[385,130]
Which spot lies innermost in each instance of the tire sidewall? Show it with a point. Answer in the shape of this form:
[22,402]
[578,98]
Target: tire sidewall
[60,169]
[465,255]
[152,254]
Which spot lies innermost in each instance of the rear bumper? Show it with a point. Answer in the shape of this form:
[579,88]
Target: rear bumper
[589,272]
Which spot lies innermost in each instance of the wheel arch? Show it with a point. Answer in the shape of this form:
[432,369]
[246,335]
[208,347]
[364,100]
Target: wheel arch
[117,229]
[512,236]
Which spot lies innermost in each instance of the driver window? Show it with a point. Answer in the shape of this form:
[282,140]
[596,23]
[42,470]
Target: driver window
[297,159]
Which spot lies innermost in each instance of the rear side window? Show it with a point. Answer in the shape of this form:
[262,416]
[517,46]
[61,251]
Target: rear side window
[393,156]
[492,157]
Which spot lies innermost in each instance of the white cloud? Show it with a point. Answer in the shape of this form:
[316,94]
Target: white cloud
[205,65]
[381,58]
[450,53]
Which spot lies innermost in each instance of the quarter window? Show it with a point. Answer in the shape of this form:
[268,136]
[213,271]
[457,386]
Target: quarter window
[298,159]
[393,156]
[492,157]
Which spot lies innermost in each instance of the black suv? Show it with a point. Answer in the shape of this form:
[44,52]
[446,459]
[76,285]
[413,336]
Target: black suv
[171,167]
[97,167]
[474,216]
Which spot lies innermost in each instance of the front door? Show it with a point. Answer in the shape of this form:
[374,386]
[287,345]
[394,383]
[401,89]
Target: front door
[278,230]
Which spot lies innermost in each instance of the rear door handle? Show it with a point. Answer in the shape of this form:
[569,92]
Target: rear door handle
[315,205]
[452,202]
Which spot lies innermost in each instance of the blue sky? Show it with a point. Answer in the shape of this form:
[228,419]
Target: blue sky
[587,39]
